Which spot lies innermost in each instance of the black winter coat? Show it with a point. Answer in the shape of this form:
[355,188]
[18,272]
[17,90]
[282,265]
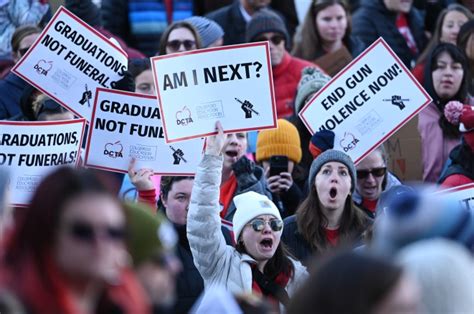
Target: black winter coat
[373,20]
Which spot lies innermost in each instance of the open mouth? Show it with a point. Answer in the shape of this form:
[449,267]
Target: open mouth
[231,153]
[333,192]
[266,243]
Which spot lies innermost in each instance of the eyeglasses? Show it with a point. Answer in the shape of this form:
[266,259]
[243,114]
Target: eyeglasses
[87,233]
[259,224]
[23,51]
[174,45]
[376,172]
[275,39]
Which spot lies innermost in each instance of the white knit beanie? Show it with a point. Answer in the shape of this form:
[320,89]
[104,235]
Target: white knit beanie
[250,205]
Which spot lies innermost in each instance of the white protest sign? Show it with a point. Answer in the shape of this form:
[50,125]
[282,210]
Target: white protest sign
[463,193]
[232,84]
[126,125]
[70,60]
[30,150]
[365,103]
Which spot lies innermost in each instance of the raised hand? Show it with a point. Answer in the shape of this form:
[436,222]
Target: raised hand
[215,143]
[141,179]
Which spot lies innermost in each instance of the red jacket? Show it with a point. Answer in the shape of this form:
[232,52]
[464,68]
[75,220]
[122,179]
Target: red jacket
[286,77]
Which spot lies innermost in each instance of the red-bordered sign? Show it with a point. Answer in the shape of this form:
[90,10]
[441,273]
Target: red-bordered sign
[126,125]
[69,60]
[366,102]
[28,164]
[232,84]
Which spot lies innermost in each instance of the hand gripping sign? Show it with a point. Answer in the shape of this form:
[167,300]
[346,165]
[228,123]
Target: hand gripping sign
[70,60]
[127,125]
[232,84]
[365,103]
[30,150]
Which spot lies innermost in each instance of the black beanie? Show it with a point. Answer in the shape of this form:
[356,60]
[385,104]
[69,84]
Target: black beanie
[266,21]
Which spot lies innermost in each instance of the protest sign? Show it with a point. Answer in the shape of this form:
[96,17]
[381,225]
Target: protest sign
[127,125]
[463,193]
[30,150]
[365,103]
[70,60]
[232,84]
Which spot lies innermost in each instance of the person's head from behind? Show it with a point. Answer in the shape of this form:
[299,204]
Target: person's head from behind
[406,215]
[445,271]
[211,33]
[75,222]
[175,195]
[266,25]
[350,282]
[312,80]
[152,242]
[372,174]
[22,39]
[449,23]
[46,109]
[257,231]
[141,72]
[447,73]
[399,6]
[179,37]
[282,141]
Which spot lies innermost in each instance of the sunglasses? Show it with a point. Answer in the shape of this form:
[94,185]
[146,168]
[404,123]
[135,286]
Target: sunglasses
[87,233]
[376,172]
[259,224]
[174,45]
[275,39]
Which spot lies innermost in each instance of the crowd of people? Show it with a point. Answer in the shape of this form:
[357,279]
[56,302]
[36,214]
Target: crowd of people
[273,221]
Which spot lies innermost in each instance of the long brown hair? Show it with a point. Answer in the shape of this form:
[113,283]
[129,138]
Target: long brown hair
[435,39]
[312,222]
[308,42]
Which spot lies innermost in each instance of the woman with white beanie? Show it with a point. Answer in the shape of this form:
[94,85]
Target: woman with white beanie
[258,263]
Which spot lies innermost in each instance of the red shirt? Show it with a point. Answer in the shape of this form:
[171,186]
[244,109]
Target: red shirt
[332,236]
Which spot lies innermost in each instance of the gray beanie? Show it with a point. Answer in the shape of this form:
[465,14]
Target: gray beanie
[266,21]
[332,155]
[312,80]
[208,30]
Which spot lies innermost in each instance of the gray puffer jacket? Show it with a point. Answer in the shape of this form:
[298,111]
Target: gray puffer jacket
[218,263]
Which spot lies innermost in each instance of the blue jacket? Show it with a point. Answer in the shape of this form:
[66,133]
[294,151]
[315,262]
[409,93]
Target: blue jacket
[11,89]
